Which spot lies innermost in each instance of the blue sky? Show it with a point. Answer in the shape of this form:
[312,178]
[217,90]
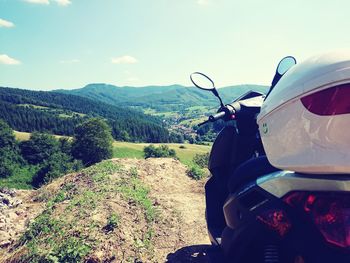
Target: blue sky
[51,44]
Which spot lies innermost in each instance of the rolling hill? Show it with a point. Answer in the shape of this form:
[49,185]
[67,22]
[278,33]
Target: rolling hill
[160,98]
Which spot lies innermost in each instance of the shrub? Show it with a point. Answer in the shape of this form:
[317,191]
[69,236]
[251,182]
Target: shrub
[65,145]
[39,147]
[7,138]
[112,222]
[195,172]
[158,152]
[201,159]
[9,153]
[57,165]
[7,166]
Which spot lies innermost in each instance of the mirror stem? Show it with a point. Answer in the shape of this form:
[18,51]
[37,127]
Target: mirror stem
[218,96]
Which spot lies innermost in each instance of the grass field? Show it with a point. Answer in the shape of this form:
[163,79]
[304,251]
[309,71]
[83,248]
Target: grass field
[135,150]
[22,136]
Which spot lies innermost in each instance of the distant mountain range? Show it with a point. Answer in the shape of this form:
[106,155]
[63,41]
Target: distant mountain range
[161,98]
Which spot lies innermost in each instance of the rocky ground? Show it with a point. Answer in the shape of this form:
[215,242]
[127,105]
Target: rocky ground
[17,208]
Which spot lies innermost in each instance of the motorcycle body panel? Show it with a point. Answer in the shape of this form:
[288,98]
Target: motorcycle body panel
[222,155]
[229,150]
[296,137]
[221,161]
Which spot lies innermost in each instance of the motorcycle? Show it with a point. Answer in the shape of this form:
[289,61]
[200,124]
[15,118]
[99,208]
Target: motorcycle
[279,189]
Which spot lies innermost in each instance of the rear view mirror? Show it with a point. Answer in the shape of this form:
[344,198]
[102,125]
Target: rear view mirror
[202,81]
[285,64]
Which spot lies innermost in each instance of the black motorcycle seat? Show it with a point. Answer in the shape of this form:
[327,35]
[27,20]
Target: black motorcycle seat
[249,171]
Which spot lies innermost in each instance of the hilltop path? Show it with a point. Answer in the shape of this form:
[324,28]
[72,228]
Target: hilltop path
[175,191]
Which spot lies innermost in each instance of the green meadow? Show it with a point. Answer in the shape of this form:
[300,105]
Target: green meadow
[185,152]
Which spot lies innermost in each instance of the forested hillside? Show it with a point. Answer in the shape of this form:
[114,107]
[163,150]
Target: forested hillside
[26,110]
[181,108]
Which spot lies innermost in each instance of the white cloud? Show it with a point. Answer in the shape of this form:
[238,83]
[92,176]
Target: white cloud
[4,23]
[63,2]
[124,60]
[47,2]
[203,2]
[69,61]
[42,2]
[5,59]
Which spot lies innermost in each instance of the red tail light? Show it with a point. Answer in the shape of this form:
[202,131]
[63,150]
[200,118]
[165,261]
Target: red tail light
[331,101]
[330,212]
[276,220]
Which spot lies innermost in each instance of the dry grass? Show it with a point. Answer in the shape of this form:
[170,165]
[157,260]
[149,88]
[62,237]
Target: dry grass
[24,136]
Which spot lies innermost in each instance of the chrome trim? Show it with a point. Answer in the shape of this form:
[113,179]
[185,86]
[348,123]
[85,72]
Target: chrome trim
[258,205]
[281,182]
[229,200]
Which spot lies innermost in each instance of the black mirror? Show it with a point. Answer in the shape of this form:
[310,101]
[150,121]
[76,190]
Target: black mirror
[285,64]
[202,81]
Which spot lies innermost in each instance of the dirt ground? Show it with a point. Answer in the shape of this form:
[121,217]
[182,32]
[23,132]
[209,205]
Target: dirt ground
[173,190]
[181,237]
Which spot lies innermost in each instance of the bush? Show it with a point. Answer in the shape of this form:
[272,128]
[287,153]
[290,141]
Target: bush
[7,138]
[39,147]
[57,165]
[158,152]
[195,172]
[93,142]
[113,222]
[201,159]
[9,152]
[182,147]
[7,166]
[65,145]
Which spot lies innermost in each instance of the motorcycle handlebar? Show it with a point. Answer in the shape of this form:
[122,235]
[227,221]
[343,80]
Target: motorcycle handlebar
[225,112]
[217,116]
[234,110]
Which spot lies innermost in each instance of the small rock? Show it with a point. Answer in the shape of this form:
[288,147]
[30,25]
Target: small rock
[5,243]
[19,212]
[16,203]
[7,191]
[5,201]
